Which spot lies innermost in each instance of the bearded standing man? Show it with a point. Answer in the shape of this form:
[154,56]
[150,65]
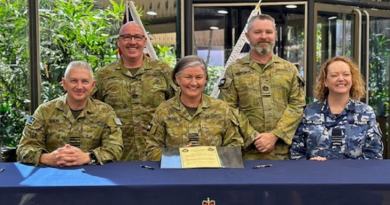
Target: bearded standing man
[268,90]
[134,86]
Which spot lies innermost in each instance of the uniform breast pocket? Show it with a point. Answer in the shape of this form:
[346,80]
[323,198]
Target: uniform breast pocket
[248,89]
[212,132]
[176,135]
[58,135]
[281,83]
[154,91]
[313,134]
[355,139]
[91,136]
[357,130]
[115,93]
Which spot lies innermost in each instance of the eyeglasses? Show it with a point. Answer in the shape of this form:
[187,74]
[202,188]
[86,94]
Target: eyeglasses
[128,37]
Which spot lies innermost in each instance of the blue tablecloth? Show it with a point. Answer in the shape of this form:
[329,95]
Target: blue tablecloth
[286,182]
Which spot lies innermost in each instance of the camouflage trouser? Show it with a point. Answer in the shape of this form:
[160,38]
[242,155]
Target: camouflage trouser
[280,152]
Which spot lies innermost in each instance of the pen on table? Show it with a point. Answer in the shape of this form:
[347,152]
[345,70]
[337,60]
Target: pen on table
[262,166]
[146,167]
[2,170]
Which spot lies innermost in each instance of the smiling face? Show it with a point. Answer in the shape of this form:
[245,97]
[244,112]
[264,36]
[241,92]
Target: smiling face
[192,81]
[79,84]
[131,42]
[261,36]
[338,78]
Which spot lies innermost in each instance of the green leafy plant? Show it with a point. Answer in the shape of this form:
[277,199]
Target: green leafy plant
[14,92]
[75,30]
[379,67]
[214,73]
[69,30]
[166,54]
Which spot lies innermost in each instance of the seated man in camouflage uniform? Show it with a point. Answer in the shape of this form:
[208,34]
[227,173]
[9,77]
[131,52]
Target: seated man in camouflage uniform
[134,86]
[73,129]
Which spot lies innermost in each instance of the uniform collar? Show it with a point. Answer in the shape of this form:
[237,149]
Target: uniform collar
[178,105]
[349,107]
[248,60]
[145,66]
[61,105]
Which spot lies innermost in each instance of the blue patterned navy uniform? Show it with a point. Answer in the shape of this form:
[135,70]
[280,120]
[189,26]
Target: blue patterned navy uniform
[360,135]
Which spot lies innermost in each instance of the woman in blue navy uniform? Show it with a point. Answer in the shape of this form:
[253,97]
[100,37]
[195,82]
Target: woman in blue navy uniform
[338,126]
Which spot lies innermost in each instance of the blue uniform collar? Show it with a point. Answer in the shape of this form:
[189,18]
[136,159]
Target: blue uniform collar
[349,107]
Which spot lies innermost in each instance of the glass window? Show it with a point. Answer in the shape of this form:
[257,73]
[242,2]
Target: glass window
[161,26]
[217,29]
[334,36]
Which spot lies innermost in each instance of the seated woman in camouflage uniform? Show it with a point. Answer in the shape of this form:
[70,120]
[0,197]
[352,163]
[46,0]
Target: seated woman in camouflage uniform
[192,118]
[338,126]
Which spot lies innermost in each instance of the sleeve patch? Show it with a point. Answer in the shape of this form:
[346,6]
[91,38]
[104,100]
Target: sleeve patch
[30,121]
[118,121]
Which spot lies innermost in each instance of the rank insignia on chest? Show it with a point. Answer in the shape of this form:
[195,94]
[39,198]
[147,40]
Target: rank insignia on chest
[311,122]
[208,202]
[30,120]
[118,121]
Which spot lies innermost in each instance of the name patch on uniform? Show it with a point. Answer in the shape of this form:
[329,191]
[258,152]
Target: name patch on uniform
[360,122]
[30,121]
[222,82]
[311,122]
[173,119]
[54,121]
[213,116]
[243,73]
[152,75]
[118,121]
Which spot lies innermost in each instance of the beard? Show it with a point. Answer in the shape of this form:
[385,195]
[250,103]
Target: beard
[262,50]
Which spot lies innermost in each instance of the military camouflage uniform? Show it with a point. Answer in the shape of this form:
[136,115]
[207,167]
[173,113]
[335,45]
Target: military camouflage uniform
[214,124]
[52,126]
[271,98]
[134,99]
[360,138]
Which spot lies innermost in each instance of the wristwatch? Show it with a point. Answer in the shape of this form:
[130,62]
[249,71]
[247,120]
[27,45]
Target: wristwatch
[92,158]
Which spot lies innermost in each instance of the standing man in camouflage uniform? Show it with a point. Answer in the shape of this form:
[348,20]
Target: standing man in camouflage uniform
[134,86]
[268,90]
[73,129]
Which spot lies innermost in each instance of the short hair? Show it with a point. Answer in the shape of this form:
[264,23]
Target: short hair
[130,23]
[261,17]
[357,91]
[78,64]
[189,61]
